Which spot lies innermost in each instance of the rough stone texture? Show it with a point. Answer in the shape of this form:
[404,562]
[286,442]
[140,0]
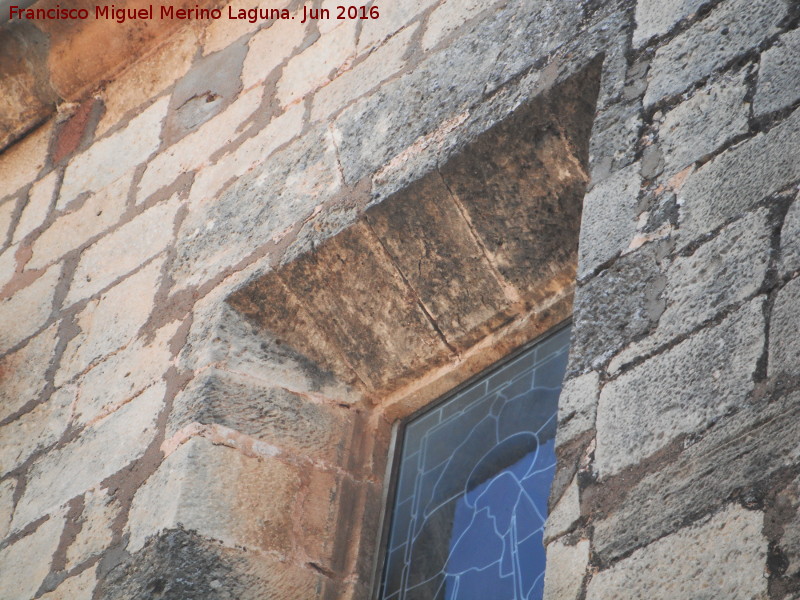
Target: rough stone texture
[449,16]
[95,535]
[614,137]
[87,459]
[181,564]
[121,251]
[565,513]
[784,345]
[737,179]
[24,564]
[110,321]
[655,18]
[26,311]
[787,502]
[721,558]
[220,494]
[38,429]
[644,409]
[745,450]
[78,587]
[790,240]
[22,372]
[714,115]
[779,75]
[287,420]
[577,406]
[600,240]
[7,209]
[7,488]
[731,29]
[113,156]
[37,207]
[269,48]
[566,568]
[393,17]
[20,164]
[99,212]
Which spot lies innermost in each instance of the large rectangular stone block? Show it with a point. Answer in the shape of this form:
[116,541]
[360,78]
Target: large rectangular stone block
[22,374]
[25,563]
[28,309]
[779,75]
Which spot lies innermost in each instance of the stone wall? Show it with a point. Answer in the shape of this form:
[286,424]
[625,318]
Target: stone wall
[196,385]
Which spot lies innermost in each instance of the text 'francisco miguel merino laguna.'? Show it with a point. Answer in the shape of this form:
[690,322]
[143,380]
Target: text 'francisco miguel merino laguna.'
[169,11]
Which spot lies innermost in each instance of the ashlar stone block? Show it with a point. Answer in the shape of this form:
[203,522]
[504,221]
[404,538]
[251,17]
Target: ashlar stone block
[779,76]
[22,374]
[25,563]
[37,207]
[657,18]
[28,309]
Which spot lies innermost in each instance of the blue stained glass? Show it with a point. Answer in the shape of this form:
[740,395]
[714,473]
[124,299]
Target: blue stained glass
[473,485]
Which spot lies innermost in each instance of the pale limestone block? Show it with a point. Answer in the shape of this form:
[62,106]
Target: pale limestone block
[70,231]
[697,127]
[313,66]
[7,488]
[110,321]
[110,158]
[37,207]
[223,32]
[219,493]
[148,78]
[393,17]
[8,265]
[28,309]
[123,375]
[645,408]
[25,563]
[22,162]
[655,17]
[378,66]
[724,557]
[123,250]
[35,430]
[271,47]
[577,406]
[566,513]
[6,214]
[195,149]
[22,373]
[79,587]
[97,453]
[99,511]
[566,568]
[449,16]
[256,150]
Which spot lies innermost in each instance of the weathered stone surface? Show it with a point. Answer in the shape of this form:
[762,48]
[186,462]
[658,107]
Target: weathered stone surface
[123,375]
[616,307]
[110,158]
[614,139]
[7,209]
[220,231]
[147,78]
[20,164]
[219,493]
[181,564]
[602,238]
[269,48]
[779,75]
[577,406]
[7,488]
[790,240]
[731,29]
[206,89]
[393,17]
[784,345]
[292,422]
[36,430]
[70,231]
[724,557]
[123,250]
[8,265]
[195,149]
[666,396]
[78,587]
[786,504]
[449,16]
[432,245]
[222,32]
[737,179]
[24,564]
[714,115]
[654,18]
[312,67]
[350,85]
[99,511]
[566,568]
[734,458]
[22,373]
[28,309]
[565,513]
[87,458]
[37,207]
[110,321]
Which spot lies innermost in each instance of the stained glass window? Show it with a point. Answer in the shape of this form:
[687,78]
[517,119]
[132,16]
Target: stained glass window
[472,486]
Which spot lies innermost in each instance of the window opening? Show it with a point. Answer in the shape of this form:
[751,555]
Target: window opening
[472,485]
